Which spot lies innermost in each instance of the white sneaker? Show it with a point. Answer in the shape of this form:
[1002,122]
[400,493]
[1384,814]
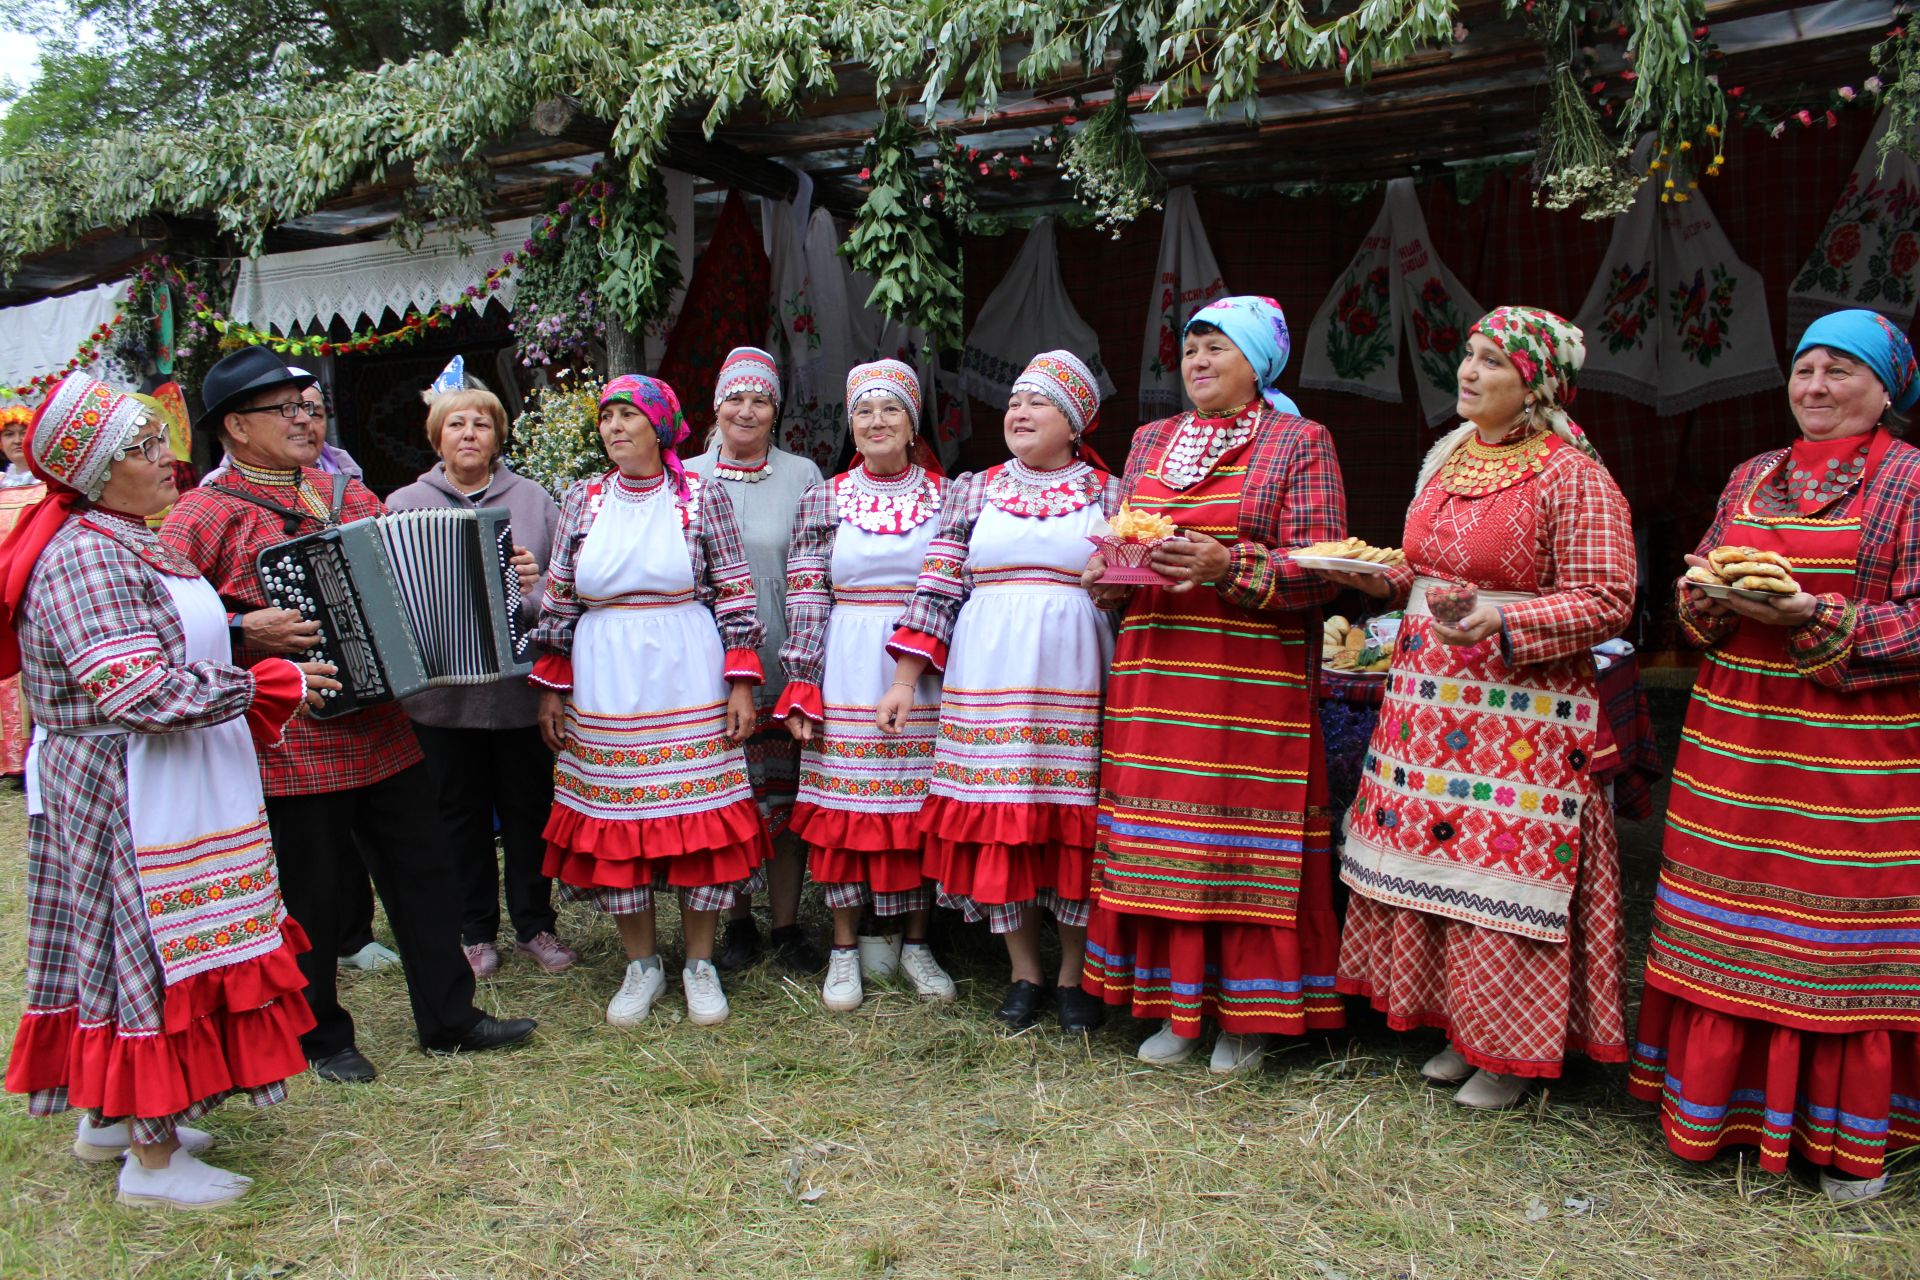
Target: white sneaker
[879,955]
[109,1141]
[371,958]
[638,990]
[1163,1048]
[185,1183]
[926,975]
[706,1001]
[842,991]
[1851,1190]
[1236,1053]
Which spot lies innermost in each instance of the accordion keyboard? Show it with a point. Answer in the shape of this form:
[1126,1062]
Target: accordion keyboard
[312,579]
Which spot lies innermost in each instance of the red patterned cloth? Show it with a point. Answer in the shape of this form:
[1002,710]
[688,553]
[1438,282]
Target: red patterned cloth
[1212,880]
[1781,1006]
[727,306]
[1480,851]
[223,535]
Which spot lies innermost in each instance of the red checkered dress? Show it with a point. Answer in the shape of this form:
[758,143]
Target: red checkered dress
[1477,805]
[223,535]
[101,1023]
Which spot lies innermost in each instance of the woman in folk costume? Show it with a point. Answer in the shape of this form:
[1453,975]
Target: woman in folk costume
[1213,884]
[1481,854]
[648,678]
[765,485]
[19,490]
[999,610]
[160,961]
[1783,980]
[859,541]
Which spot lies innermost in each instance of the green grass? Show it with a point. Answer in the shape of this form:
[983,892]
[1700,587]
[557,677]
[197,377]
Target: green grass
[936,1147]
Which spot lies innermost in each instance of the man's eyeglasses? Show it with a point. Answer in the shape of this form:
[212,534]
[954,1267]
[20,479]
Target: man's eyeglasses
[288,409]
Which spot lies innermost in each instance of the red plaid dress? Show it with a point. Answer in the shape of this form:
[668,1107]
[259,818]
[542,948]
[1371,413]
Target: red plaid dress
[1480,851]
[102,653]
[223,535]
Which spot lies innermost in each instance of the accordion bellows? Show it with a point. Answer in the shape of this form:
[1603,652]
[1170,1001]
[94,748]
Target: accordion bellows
[406,601]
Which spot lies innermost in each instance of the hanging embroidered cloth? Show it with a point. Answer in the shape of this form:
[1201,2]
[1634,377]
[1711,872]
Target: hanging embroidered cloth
[1675,319]
[726,307]
[1395,292]
[811,331]
[1187,279]
[1027,313]
[1868,255]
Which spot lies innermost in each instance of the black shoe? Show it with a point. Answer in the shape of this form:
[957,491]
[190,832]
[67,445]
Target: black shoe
[491,1033]
[1021,1007]
[348,1066]
[739,946]
[794,953]
[1078,1011]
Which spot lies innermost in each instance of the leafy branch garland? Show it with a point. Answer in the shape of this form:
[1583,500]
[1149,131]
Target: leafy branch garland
[897,240]
[1105,160]
[1897,58]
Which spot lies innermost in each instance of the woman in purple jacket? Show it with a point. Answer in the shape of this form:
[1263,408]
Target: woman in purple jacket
[482,745]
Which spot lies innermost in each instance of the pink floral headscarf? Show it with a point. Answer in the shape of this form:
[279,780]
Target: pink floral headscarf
[655,399]
[1547,351]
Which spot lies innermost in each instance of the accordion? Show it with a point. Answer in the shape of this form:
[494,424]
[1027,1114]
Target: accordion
[406,601]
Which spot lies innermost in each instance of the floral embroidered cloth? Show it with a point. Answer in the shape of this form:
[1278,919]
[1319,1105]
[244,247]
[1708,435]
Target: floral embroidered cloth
[1186,279]
[1028,312]
[1396,290]
[812,335]
[1675,319]
[1868,255]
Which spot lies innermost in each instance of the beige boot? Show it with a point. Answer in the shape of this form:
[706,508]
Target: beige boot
[1491,1091]
[1446,1067]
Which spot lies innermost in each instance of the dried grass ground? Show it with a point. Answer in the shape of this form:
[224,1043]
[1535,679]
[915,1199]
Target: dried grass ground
[935,1147]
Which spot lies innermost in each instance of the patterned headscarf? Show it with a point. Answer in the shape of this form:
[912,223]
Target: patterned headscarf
[1259,328]
[747,369]
[1547,351]
[655,399]
[1873,338]
[895,378]
[1064,379]
[78,433]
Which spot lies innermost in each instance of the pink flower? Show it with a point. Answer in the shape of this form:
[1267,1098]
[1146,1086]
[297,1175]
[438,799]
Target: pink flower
[1523,364]
[866,174]
[1846,93]
[985,169]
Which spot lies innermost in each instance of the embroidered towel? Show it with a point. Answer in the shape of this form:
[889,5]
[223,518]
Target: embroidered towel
[1186,279]
[1868,255]
[1395,291]
[1027,313]
[1675,319]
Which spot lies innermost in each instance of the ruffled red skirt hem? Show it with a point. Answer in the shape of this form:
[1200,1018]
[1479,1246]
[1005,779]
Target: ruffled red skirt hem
[1251,979]
[845,829]
[690,851]
[1842,1101]
[233,1028]
[965,822]
[999,873]
[895,871]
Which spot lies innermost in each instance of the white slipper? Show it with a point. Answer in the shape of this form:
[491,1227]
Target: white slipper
[109,1141]
[1491,1091]
[1163,1048]
[185,1183]
[1844,1191]
[1233,1053]
[1446,1067]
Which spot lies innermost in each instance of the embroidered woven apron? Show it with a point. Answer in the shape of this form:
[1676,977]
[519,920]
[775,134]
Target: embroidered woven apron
[1788,891]
[207,874]
[1472,790]
[1783,977]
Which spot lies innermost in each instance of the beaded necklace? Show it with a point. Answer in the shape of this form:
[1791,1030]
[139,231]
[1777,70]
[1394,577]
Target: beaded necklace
[1020,490]
[886,504]
[745,472]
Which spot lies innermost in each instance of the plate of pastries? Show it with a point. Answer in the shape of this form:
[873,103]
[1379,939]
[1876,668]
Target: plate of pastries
[1348,555]
[1346,646]
[1746,572]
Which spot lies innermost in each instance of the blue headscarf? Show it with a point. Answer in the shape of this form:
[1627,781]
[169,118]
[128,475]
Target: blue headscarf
[1871,337]
[1259,328]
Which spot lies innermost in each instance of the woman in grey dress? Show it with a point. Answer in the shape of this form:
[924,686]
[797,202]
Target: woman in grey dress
[765,485]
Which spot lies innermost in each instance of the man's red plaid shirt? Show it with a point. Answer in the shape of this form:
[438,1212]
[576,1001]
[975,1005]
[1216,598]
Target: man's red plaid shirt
[223,535]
